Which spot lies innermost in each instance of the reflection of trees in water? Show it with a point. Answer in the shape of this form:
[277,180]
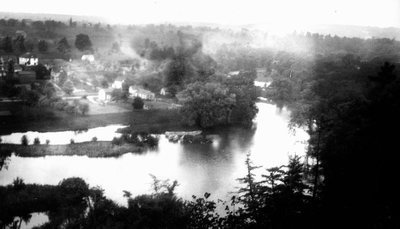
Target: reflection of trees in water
[4,158]
[229,139]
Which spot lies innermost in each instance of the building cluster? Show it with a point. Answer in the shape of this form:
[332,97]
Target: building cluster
[22,70]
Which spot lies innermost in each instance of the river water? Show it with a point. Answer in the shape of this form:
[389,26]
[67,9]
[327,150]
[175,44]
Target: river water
[199,168]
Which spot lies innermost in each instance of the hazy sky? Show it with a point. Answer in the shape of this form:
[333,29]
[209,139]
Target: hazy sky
[381,13]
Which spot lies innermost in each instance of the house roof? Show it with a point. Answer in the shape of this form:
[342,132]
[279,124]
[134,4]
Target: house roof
[141,90]
[107,90]
[28,55]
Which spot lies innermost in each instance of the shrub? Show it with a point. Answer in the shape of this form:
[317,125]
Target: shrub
[116,141]
[71,109]
[36,141]
[47,141]
[60,105]
[94,139]
[24,140]
[72,141]
[138,103]
[83,108]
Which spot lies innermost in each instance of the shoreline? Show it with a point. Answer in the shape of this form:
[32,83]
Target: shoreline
[89,149]
[25,119]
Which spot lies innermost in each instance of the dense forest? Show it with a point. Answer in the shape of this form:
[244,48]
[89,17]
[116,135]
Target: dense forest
[344,91]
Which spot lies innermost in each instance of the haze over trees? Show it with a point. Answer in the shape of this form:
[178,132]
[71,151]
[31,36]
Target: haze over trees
[344,91]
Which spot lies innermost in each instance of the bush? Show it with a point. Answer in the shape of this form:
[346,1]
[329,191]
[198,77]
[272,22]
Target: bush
[36,141]
[47,142]
[68,87]
[94,139]
[71,109]
[83,108]
[24,140]
[138,103]
[116,141]
[72,141]
[60,105]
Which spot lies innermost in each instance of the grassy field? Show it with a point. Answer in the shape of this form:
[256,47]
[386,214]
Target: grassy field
[90,149]
[44,119]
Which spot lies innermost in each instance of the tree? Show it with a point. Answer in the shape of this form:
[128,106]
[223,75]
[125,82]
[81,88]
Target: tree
[62,77]
[138,103]
[36,141]
[43,46]
[177,71]
[42,72]
[250,194]
[19,44]
[83,108]
[207,105]
[63,46]
[83,43]
[7,45]
[31,97]
[115,48]
[24,140]
[68,87]
[29,45]
[104,84]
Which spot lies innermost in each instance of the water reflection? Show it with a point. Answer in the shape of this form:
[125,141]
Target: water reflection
[37,219]
[199,168]
[106,133]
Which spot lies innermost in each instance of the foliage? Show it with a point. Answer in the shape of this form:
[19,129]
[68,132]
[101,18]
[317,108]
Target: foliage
[24,140]
[63,46]
[7,44]
[31,97]
[43,46]
[83,108]
[42,72]
[137,103]
[83,43]
[19,44]
[207,105]
[36,141]
[68,87]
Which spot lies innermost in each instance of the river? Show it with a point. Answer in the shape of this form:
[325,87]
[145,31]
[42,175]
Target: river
[199,168]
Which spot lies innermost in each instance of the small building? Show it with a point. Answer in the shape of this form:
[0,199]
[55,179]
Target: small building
[105,94]
[88,57]
[28,59]
[164,91]
[135,91]
[117,84]
[233,73]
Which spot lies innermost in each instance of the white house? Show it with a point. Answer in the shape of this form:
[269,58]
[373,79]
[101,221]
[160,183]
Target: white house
[105,94]
[164,91]
[117,84]
[88,57]
[28,59]
[135,91]
[233,73]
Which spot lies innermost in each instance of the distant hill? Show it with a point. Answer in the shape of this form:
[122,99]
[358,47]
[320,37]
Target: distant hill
[56,17]
[339,30]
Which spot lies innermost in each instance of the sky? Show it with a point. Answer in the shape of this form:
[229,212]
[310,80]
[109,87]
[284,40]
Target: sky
[381,13]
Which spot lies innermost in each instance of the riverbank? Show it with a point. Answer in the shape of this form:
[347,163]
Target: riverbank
[24,118]
[90,149]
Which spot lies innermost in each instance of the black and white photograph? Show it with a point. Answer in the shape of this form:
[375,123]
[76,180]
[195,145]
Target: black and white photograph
[212,114]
